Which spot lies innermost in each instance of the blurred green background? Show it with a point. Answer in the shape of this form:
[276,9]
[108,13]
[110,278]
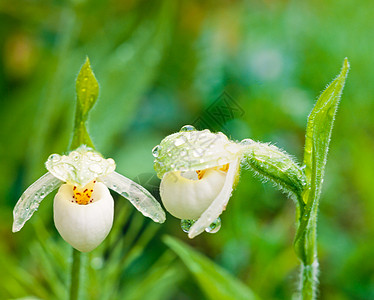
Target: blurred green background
[161,65]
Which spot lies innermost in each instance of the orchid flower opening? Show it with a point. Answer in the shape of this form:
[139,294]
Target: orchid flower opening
[199,169]
[83,206]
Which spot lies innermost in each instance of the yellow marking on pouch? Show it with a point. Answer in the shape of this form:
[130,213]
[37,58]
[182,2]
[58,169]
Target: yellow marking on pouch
[201,173]
[83,195]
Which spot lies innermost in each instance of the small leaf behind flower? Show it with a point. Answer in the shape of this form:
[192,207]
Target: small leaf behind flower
[87,89]
[212,279]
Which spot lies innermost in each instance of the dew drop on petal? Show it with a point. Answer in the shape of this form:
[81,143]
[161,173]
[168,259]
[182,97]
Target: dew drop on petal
[94,156]
[187,128]
[156,150]
[95,168]
[179,141]
[74,155]
[214,227]
[54,158]
[186,225]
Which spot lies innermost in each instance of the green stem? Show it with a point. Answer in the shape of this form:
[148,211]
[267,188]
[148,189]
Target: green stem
[306,249]
[75,275]
[309,280]
[80,135]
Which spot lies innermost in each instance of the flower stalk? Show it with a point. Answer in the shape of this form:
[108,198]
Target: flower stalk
[83,207]
[75,274]
[87,89]
[317,140]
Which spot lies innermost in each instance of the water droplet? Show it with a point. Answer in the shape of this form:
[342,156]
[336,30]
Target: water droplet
[247,142]
[156,151]
[179,141]
[74,155]
[85,78]
[54,157]
[186,225]
[214,227]
[187,128]
[95,168]
[94,156]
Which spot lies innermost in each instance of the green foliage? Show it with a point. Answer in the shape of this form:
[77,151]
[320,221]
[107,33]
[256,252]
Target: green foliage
[318,134]
[213,280]
[87,92]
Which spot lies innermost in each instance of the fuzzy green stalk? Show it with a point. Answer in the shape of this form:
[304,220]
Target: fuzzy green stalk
[308,254]
[317,140]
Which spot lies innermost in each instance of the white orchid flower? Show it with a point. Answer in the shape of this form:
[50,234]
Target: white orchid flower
[198,171]
[83,206]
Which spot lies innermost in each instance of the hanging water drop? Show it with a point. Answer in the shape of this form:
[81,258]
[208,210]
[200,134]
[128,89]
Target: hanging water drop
[156,151]
[187,128]
[186,225]
[214,227]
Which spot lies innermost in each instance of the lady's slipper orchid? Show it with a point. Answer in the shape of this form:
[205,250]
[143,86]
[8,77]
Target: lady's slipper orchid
[198,170]
[83,207]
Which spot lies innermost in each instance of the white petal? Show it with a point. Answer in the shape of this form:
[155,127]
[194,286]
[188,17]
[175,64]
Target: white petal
[188,198]
[136,194]
[31,198]
[83,226]
[218,205]
[80,167]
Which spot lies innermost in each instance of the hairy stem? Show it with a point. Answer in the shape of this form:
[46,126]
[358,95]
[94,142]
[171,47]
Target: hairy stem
[308,280]
[306,248]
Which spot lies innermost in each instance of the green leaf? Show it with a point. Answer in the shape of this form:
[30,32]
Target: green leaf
[87,89]
[318,134]
[212,279]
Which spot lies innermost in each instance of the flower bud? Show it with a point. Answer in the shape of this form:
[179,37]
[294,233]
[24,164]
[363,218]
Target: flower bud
[270,163]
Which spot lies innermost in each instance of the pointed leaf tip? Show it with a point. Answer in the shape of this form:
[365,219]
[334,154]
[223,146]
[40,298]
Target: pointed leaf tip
[317,141]
[345,68]
[87,88]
